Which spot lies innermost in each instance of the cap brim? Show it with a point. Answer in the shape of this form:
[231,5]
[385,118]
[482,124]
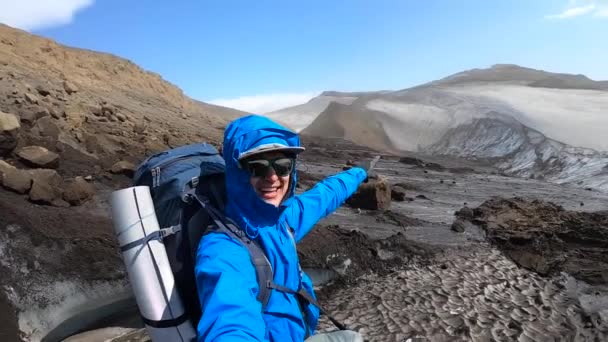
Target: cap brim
[271,148]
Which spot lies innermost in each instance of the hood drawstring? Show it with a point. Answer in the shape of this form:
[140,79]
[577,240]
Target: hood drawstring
[254,232]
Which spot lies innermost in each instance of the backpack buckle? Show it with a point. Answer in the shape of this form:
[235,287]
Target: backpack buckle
[164,232]
[194,182]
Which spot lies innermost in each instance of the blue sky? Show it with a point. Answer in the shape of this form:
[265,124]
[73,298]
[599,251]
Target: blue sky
[264,54]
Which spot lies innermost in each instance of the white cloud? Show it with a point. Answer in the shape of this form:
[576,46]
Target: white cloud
[578,8]
[261,104]
[602,12]
[37,14]
[573,12]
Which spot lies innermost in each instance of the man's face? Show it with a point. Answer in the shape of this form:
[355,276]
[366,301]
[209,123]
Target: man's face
[270,174]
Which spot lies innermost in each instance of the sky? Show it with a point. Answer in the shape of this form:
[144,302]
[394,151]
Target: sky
[262,55]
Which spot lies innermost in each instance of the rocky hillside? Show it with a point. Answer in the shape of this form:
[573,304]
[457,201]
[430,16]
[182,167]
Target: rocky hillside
[87,93]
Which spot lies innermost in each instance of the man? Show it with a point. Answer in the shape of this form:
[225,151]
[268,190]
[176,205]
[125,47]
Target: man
[261,178]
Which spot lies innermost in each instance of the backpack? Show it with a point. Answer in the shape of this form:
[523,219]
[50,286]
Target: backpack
[188,190]
[183,181]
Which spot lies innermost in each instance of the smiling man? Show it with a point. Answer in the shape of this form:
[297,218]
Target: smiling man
[270,173]
[261,175]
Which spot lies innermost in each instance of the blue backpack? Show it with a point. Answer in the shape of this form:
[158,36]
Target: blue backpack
[183,181]
[189,193]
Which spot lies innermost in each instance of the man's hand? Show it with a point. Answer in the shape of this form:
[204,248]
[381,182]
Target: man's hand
[368,166]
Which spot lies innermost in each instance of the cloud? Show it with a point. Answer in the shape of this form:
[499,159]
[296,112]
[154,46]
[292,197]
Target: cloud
[602,12]
[265,103]
[38,14]
[579,8]
[573,12]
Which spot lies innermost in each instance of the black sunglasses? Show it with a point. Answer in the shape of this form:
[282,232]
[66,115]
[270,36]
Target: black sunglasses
[261,167]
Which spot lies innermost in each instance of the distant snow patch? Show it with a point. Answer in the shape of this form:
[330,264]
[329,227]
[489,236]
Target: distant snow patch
[574,117]
[264,103]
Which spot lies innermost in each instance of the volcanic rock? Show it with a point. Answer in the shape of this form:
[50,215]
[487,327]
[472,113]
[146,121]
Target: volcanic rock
[55,114]
[121,117]
[69,87]
[38,156]
[17,180]
[9,130]
[42,90]
[374,195]
[544,237]
[48,176]
[458,226]
[31,98]
[47,128]
[4,167]
[397,194]
[28,117]
[75,114]
[78,191]
[47,187]
[123,167]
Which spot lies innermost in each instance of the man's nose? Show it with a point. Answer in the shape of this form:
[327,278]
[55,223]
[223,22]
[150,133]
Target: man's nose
[271,174]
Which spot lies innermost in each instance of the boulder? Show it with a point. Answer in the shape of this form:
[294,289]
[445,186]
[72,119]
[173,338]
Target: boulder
[69,87]
[140,128]
[28,117]
[42,112]
[95,110]
[75,114]
[78,191]
[9,130]
[17,180]
[49,176]
[47,127]
[121,117]
[375,195]
[123,168]
[55,113]
[107,110]
[42,90]
[397,194]
[31,98]
[458,226]
[37,156]
[46,187]
[5,167]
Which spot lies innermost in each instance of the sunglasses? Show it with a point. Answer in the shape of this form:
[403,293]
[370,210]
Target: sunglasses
[261,167]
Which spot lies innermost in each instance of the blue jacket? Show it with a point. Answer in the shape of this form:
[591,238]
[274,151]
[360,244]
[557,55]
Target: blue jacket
[225,276]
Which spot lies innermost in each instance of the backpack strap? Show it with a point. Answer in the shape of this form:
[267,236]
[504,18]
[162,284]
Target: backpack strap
[304,295]
[263,269]
[157,235]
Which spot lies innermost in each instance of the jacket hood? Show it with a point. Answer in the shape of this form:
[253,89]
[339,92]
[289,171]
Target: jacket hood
[243,204]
